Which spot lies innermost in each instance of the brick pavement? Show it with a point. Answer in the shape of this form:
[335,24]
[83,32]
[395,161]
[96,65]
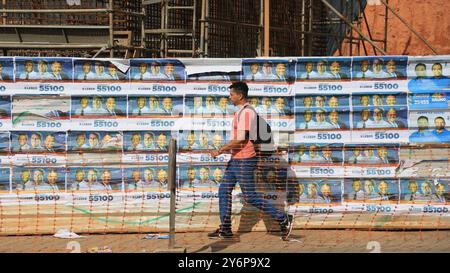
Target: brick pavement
[303,241]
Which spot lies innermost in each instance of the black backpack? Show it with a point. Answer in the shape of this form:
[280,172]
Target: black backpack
[264,137]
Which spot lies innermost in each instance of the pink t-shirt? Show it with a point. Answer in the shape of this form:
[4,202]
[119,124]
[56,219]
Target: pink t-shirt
[246,122]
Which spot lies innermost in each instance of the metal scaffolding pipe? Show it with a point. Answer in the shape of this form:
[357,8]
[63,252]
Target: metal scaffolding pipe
[327,4]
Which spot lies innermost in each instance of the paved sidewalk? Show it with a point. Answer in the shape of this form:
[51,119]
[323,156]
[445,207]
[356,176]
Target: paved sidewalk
[302,241]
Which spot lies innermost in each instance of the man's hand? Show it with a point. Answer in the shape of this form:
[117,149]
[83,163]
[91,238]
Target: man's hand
[214,153]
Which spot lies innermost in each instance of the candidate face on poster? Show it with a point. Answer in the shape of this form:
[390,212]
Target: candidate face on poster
[155,141]
[202,140]
[95,141]
[424,191]
[158,105]
[319,192]
[379,68]
[157,70]
[429,127]
[6,70]
[315,69]
[200,176]
[380,117]
[368,190]
[48,179]
[4,142]
[5,179]
[98,70]
[139,178]
[322,119]
[208,106]
[99,107]
[94,179]
[428,75]
[273,106]
[5,107]
[44,69]
[38,142]
[371,154]
[260,70]
[312,153]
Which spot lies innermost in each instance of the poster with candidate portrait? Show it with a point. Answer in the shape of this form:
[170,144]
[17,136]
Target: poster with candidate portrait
[100,76]
[317,160]
[7,75]
[319,192]
[322,118]
[40,112]
[429,75]
[155,112]
[5,113]
[48,75]
[204,176]
[94,179]
[424,191]
[379,73]
[323,75]
[157,76]
[149,177]
[5,178]
[91,141]
[268,77]
[381,160]
[372,191]
[429,126]
[38,179]
[98,112]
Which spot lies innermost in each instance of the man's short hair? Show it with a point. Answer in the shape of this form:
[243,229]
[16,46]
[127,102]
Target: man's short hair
[423,117]
[240,87]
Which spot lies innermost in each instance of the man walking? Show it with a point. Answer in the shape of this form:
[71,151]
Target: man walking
[242,165]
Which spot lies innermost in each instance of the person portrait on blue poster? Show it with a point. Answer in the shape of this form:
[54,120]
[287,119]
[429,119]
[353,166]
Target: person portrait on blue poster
[44,69]
[99,106]
[140,106]
[423,133]
[320,191]
[323,69]
[157,70]
[32,142]
[370,190]
[366,68]
[208,105]
[97,70]
[6,69]
[316,153]
[140,179]
[382,117]
[373,154]
[256,70]
[5,179]
[428,76]
[322,119]
[5,107]
[4,141]
[88,179]
[39,179]
[423,191]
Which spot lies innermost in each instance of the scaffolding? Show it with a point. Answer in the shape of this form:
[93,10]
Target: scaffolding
[239,28]
[191,28]
[110,28]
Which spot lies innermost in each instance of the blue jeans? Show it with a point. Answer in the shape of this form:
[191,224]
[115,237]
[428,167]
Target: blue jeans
[241,170]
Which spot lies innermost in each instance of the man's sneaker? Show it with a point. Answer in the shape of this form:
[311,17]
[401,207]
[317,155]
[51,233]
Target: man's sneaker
[286,227]
[225,234]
